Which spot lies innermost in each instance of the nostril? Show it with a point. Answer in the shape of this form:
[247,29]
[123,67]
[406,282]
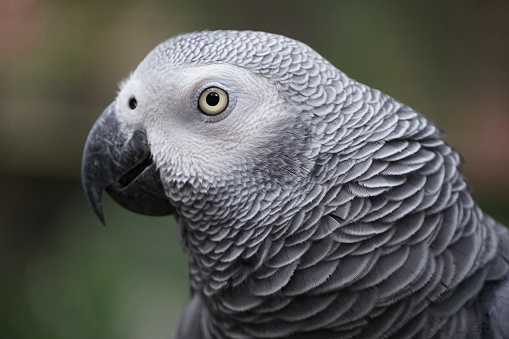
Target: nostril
[133,103]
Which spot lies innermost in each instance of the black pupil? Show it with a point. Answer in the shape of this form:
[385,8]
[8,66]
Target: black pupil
[212,99]
[133,103]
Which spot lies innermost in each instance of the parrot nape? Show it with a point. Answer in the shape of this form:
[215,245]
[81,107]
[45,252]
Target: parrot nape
[310,205]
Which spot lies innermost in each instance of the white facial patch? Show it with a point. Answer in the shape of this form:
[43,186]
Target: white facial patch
[192,142]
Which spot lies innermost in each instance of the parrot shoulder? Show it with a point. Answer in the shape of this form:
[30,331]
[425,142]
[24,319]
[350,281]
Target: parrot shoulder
[191,320]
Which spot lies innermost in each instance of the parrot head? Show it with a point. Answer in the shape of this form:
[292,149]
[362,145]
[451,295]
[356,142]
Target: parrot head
[211,126]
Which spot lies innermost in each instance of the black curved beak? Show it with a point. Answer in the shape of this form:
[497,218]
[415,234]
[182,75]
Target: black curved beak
[123,167]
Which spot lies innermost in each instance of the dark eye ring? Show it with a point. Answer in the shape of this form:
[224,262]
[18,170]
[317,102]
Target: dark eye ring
[132,103]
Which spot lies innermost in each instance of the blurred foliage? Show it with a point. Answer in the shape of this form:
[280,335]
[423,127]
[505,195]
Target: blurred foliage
[65,276]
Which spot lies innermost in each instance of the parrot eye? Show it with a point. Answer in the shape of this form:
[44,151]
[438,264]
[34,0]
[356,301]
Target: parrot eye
[133,103]
[213,101]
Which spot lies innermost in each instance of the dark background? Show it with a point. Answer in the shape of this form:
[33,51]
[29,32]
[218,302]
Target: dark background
[63,275]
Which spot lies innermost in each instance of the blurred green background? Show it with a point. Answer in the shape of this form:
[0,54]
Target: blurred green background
[63,275]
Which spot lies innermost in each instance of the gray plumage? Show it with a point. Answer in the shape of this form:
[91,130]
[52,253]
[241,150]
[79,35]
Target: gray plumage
[313,206]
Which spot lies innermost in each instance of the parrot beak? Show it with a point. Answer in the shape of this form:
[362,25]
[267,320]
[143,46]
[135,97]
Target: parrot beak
[123,167]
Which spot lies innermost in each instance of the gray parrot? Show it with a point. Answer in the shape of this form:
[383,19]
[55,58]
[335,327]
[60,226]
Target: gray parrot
[310,205]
